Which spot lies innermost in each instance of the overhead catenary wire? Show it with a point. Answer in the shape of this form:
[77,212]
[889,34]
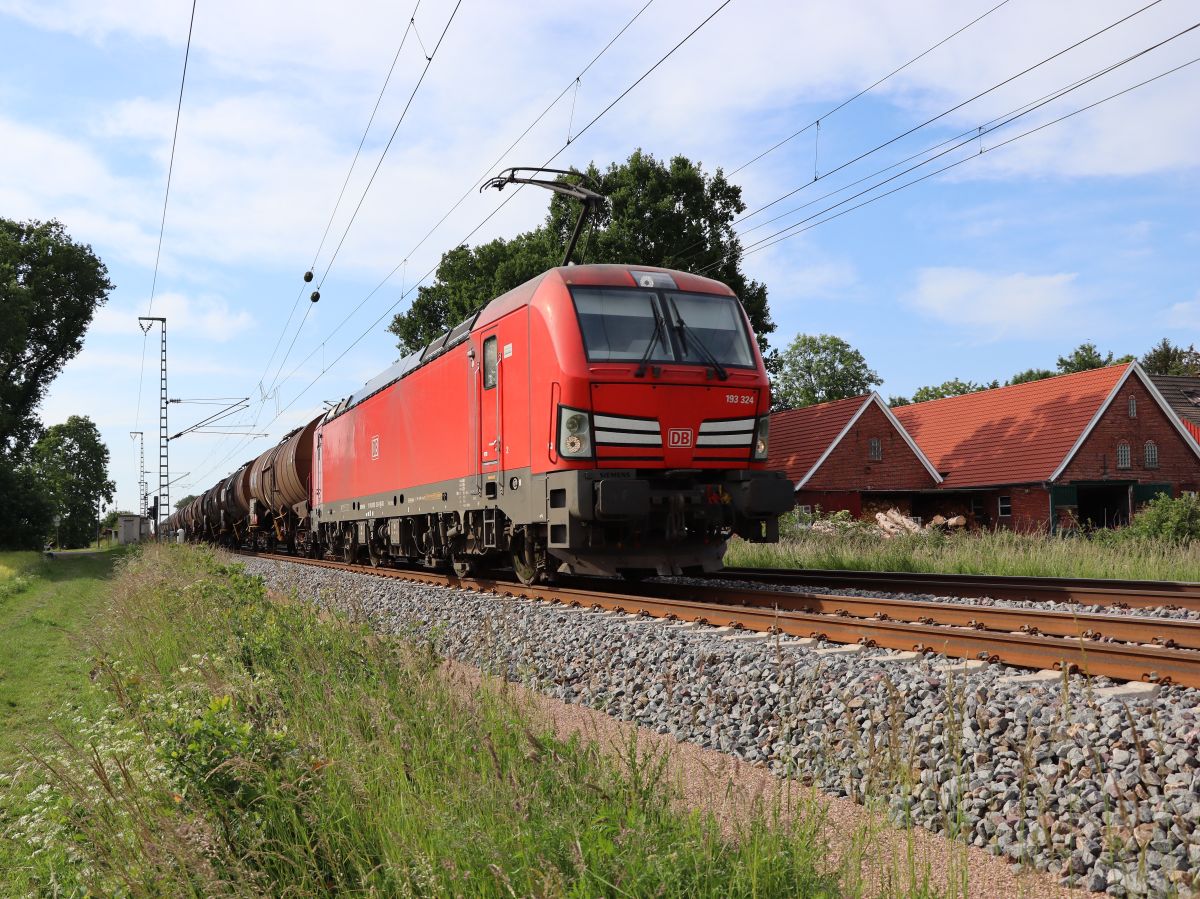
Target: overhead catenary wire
[162,225]
[487,172]
[267,389]
[963,139]
[683,253]
[974,133]
[952,109]
[870,87]
[328,366]
[370,181]
[787,233]
[550,159]
[429,57]
[342,193]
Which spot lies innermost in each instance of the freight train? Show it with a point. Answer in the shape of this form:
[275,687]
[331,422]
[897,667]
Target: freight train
[596,420]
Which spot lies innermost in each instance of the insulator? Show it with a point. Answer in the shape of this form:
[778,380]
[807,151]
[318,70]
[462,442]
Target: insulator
[307,277]
[316,295]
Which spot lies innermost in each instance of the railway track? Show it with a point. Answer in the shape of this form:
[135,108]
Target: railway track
[1085,591]
[1123,647]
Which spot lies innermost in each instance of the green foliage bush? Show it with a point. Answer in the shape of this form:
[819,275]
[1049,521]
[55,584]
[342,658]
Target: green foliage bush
[1173,519]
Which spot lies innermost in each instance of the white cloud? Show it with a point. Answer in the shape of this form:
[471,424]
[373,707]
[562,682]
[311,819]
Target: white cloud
[996,306]
[207,318]
[1185,315]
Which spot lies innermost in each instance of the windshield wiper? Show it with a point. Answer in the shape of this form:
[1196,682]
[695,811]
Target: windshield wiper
[658,330]
[683,328]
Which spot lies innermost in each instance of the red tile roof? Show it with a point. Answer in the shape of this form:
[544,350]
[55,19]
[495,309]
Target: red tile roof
[1009,435]
[1193,429]
[800,436]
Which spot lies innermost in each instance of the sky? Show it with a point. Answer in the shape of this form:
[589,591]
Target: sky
[1033,241]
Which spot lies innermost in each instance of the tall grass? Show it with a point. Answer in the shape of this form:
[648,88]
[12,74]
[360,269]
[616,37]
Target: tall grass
[18,571]
[249,746]
[985,552]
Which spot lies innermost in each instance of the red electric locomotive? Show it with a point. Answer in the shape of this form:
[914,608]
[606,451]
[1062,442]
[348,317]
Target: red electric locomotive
[599,419]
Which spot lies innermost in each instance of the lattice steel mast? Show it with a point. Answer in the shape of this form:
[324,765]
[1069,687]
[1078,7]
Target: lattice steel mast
[164,479]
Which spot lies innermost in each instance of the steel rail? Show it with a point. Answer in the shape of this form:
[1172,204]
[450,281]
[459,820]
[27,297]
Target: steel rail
[1145,629]
[1086,591]
[1121,661]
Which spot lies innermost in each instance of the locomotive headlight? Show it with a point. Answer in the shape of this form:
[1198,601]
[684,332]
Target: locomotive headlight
[574,432]
[762,437]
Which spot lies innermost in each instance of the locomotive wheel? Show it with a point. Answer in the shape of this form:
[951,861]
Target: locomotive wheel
[523,565]
[376,556]
[349,551]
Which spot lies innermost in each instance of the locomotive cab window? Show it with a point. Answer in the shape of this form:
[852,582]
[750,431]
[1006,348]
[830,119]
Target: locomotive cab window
[623,325]
[490,363]
[713,321]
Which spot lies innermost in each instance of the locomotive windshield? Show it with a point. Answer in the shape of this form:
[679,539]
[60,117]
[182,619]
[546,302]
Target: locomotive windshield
[627,325]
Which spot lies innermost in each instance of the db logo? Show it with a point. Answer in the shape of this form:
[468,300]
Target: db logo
[679,437]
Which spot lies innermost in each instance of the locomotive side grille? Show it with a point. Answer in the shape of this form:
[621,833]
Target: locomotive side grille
[616,430]
[730,432]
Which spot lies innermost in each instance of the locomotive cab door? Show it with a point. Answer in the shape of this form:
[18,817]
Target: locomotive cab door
[491,444]
[319,471]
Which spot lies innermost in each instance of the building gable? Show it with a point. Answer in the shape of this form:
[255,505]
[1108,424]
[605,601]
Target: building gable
[850,463]
[1098,453]
[799,437]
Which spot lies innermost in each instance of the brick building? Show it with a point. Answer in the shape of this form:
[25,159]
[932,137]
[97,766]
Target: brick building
[1183,396]
[849,454]
[1082,448]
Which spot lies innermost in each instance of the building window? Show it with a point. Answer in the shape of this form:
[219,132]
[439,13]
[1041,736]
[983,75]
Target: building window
[1004,507]
[875,449]
[977,506]
[1133,407]
[1123,455]
[1151,454]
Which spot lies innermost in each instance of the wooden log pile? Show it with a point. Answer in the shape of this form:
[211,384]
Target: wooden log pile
[893,523]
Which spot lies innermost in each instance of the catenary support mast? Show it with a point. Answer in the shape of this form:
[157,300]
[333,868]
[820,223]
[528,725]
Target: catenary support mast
[164,477]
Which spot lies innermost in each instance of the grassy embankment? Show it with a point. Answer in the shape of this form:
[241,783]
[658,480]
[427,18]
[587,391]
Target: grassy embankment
[238,744]
[1000,552]
[45,608]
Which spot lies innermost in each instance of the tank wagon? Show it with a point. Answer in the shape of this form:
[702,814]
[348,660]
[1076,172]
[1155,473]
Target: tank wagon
[598,420]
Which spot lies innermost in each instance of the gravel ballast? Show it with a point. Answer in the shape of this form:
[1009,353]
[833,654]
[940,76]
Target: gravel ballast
[1102,793]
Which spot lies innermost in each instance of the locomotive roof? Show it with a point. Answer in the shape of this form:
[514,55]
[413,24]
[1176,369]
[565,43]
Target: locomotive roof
[522,295]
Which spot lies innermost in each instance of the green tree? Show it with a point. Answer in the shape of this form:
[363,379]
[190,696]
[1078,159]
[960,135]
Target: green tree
[819,369]
[1030,374]
[1085,357]
[71,461]
[663,214]
[110,517]
[894,401]
[185,502]
[50,287]
[28,509]
[1165,358]
[953,387]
